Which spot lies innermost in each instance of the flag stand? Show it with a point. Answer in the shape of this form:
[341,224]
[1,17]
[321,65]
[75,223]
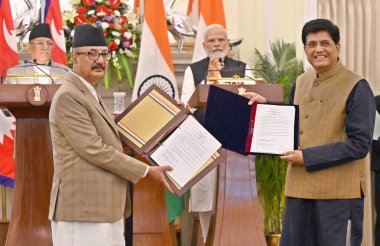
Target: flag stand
[4,204]
[3,223]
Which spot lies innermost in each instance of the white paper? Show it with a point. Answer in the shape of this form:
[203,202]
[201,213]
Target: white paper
[273,131]
[376,130]
[187,149]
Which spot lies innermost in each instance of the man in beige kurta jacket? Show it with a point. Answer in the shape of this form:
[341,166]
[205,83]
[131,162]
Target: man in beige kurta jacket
[325,182]
[90,196]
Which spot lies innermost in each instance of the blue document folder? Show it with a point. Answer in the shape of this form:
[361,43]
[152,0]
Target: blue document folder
[233,122]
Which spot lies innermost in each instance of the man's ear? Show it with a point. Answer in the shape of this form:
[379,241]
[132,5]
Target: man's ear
[28,48]
[74,58]
[338,47]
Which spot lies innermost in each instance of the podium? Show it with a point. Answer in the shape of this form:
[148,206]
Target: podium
[272,92]
[237,219]
[29,223]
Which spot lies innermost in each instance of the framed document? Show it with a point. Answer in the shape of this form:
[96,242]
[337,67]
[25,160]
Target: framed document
[269,129]
[164,133]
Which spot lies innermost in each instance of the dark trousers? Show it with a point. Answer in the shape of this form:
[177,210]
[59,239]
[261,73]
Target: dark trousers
[377,204]
[322,222]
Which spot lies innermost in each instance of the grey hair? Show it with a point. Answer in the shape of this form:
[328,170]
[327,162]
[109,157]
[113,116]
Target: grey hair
[212,27]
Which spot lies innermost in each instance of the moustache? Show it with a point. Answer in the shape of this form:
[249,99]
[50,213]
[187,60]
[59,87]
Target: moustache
[98,66]
[217,50]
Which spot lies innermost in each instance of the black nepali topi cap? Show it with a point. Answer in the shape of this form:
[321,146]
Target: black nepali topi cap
[41,30]
[88,35]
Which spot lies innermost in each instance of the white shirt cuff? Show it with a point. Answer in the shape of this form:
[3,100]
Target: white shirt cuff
[146,171]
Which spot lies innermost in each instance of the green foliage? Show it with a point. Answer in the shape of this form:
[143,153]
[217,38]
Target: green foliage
[122,30]
[270,174]
[280,67]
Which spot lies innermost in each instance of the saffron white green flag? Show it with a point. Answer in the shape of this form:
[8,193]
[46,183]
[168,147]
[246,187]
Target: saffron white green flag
[155,64]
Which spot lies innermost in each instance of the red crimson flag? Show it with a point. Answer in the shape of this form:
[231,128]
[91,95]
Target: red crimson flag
[9,54]
[8,43]
[53,17]
[7,160]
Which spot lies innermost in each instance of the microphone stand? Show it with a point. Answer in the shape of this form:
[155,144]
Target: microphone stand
[33,63]
[233,69]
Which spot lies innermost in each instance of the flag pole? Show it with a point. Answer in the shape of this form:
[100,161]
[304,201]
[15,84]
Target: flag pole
[4,203]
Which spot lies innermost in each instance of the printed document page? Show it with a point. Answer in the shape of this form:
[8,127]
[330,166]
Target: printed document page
[187,149]
[273,130]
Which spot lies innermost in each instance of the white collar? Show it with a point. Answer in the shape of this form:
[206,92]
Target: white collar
[88,85]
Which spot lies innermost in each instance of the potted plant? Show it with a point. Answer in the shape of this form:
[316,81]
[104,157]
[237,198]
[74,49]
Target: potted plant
[279,67]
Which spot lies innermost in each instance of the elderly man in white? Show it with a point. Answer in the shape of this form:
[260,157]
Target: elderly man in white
[39,69]
[216,65]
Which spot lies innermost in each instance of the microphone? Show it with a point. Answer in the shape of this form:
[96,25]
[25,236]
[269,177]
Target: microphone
[35,64]
[50,64]
[234,70]
[3,72]
[205,79]
[221,61]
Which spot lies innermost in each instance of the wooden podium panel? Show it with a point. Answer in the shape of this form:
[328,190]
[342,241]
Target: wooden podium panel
[150,220]
[237,220]
[272,92]
[29,223]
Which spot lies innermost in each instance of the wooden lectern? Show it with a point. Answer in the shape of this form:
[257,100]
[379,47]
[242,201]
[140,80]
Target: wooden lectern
[34,162]
[273,92]
[237,218]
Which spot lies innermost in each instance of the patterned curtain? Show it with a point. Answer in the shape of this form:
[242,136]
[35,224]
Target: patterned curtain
[357,21]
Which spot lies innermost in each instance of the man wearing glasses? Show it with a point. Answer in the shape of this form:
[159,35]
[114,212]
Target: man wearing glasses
[39,69]
[325,182]
[90,197]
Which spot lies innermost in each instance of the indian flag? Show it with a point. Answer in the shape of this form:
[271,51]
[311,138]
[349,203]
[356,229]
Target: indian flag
[211,12]
[155,62]
[155,67]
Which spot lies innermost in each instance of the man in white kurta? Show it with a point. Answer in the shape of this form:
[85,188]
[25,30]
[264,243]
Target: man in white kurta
[215,65]
[39,69]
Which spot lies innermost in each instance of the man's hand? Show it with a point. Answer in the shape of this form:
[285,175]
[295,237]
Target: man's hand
[254,97]
[186,105]
[215,63]
[214,66]
[157,173]
[294,157]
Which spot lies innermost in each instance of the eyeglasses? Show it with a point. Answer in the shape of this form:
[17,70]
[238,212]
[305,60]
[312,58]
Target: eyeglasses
[42,44]
[94,55]
[323,44]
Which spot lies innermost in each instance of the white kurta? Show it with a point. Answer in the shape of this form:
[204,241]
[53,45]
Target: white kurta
[71,233]
[202,194]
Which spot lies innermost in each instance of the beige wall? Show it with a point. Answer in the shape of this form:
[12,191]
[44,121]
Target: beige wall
[259,21]
[247,19]
[377,51]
